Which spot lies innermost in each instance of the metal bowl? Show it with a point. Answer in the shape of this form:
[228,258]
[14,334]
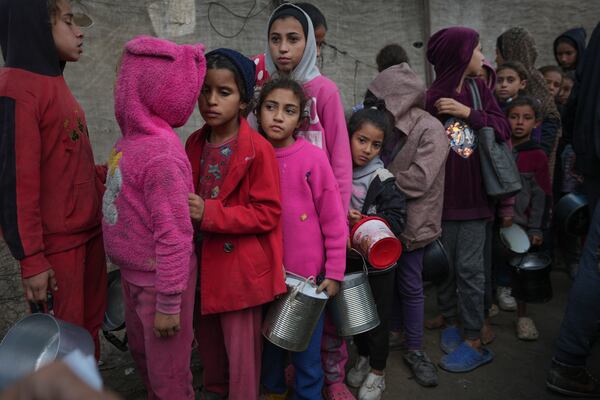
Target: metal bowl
[114,316]
[435,262]
[572,214]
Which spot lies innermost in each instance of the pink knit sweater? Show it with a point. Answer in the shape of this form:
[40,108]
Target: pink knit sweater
[314,223]
[146,220]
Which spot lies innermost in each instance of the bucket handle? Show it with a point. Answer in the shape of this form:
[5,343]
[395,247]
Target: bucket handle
[305,281]
[363,260]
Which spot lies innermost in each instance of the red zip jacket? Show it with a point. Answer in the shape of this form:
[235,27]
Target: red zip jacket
[49,193]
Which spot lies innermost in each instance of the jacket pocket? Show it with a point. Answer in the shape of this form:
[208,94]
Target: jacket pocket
[252,253]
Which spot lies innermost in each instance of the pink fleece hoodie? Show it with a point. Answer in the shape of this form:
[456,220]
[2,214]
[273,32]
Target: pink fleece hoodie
[146,222]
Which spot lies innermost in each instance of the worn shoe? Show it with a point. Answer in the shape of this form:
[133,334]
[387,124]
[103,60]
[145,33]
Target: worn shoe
[493,311]
[424,371]
[572,381]
[358,373]
[506,301]
[526,329]
[465,359]
[372,388]
[450,339]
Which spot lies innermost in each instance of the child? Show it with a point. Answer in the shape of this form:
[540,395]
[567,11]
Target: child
[314,241]
[374,192]
[51,190]
[147,227]
[553,76]
[456,54]
[569,48]
[292,52]
[566,87]
[511,79]
[237,212]
[389,55]
[418,165]
[532,203]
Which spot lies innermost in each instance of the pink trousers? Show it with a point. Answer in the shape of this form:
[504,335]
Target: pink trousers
[163,363]
[230,346]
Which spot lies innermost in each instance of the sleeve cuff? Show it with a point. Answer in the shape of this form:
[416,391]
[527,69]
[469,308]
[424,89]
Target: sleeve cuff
[34,265]
[475,120]
[168,303]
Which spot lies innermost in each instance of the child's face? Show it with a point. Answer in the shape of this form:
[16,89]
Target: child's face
[499,59]
[476,63]
[67,36]
[522,121]
[566,55]
[508,84]
[553,82]
[286,43]
[279,116]
[366,144]
[219,100]
[565,90]
[320,33]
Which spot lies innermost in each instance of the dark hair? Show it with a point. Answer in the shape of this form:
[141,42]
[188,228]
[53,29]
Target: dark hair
[567,40]
[374,113]
[515,66]
[283,83]
[53,8]
[526,101]
[316,16]
[392,54]
[551,68]
[569,75]
[219,61]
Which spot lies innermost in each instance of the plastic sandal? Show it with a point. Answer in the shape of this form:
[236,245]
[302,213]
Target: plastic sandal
[450,339]
[465,359]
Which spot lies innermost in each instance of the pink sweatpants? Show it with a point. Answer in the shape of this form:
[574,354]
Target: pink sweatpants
[163,363]
[230,346]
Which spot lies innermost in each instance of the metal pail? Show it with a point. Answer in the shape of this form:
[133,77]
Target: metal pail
[292,318]
[37,340]
[353,309]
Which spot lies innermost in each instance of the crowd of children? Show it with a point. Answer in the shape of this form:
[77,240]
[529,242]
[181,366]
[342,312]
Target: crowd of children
[204,234]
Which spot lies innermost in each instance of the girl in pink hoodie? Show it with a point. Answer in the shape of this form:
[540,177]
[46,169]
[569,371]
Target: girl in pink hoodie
[147,227]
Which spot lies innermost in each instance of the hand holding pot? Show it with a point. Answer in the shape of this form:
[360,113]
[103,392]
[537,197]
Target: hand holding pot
[506,222]
[166,325]
[330,286]
[354,216]
[196,205]
[536,240]
[36,287]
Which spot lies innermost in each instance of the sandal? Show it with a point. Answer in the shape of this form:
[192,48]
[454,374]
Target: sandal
[465,359]
[337,391]
[450,339]
[526,329]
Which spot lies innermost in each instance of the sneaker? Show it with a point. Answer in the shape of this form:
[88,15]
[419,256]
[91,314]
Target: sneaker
[465,358]
[572,381]
[372,388]
[424,371]
[526,329]
[450,339]
[357,374]
[397,341]
[505,299]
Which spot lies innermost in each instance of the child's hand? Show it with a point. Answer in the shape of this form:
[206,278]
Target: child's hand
[196,206]
[330,286]
[445,105]
[506,222]
[354,216]
[166,325]
[536,240]
[36,287]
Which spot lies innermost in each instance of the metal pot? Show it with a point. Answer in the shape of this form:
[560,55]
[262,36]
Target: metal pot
[572,214]
[37,340]
[292,318]
[353,309]
[435,262]
[531,277]
[514,240]
[114,315]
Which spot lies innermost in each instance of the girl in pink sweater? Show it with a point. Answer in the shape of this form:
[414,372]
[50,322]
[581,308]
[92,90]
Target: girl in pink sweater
[314,225]
[146,224]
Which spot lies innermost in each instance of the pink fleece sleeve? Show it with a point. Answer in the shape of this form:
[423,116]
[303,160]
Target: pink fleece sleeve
[331,114]
[332,217]
[165,194]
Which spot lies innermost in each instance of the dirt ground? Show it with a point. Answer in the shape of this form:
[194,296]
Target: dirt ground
[517,372]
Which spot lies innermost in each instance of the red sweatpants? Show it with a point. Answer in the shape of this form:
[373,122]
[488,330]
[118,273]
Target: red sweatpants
[81,279]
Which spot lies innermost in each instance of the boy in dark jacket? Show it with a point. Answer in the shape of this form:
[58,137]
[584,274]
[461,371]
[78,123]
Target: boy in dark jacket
[532,202]
[374,193]
[50,187]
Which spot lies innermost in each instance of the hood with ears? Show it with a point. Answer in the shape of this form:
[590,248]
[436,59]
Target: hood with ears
[158,84]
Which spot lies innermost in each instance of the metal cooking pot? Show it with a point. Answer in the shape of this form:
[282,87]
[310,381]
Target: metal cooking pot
[531,277]
[114,315]
[572,214]
[435,262]
[37,340]
[515,241]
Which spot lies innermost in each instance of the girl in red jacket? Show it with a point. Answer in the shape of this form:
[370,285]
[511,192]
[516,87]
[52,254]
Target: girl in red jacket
[236,209]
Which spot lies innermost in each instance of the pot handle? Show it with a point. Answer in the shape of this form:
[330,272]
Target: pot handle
[363,260]
[115,341]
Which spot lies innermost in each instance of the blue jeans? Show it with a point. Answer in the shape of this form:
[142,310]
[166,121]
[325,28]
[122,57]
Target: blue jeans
[309,374]
[583,309]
